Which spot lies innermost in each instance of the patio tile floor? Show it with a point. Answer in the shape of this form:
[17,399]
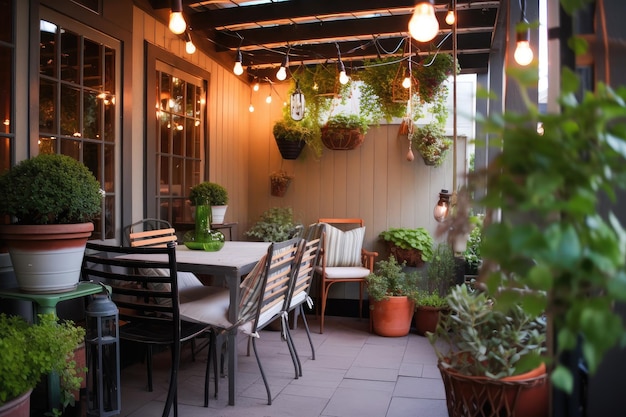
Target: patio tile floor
[355,373]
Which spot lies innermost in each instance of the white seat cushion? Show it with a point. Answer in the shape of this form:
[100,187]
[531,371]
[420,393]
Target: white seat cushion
[342,272]
[205,305]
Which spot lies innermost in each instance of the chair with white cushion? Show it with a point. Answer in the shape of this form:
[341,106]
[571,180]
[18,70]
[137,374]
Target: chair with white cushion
[343,259]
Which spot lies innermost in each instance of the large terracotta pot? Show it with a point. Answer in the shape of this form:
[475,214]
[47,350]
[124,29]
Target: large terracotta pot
[525,395]
[17,407]
[392,317]
[46,258]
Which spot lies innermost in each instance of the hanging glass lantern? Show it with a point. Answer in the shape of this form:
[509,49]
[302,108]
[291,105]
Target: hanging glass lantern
[103,357]
[297,103]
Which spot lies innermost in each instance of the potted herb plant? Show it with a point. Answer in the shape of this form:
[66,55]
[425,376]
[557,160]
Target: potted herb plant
[344,132]
[410,246]
[431,142]
[51,198]
[29,351]
[210,194]
[435,283]
[392,294]
[275,225]
[490,357]
[291,136]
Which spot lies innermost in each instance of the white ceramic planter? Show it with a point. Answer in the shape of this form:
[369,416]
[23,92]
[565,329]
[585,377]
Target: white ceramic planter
[217,214]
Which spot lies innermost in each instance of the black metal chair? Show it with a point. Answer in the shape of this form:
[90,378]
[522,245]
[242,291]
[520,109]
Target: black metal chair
[148,302]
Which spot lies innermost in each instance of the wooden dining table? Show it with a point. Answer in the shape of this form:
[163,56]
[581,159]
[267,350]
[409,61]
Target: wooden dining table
[232,262]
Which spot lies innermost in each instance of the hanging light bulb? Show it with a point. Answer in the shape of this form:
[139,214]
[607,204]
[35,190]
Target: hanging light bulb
[523,52]
[177,22]
[251,108]
[343,77]
[256,86]
[424,26]
[281,75]
[238,68]
[190,48]
[442,208]
[268,99]
[450,17]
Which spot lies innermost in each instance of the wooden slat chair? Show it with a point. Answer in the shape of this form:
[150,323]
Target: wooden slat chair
[343,259]
[263,296]
[301,282]
[148,302]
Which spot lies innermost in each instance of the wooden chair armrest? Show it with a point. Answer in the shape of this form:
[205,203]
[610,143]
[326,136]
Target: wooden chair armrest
[368,258]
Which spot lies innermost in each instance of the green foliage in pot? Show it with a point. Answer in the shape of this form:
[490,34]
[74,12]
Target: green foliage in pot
[477,338]
[351,121]
[275,225]
[406,238]
[305,130]
[30,351]
[557,249]
[376,100]
[431,74]
[389,279]
[431,142]
[50,189]
[208,193]
[440,273]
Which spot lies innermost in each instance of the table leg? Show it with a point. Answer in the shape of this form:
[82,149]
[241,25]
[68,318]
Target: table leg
[233,283]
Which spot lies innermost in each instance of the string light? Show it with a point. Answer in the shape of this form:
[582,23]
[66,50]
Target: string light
[523,52]
[177,22]
[256,86]
[268,99]
[424,26]
[238,68]
[190,48]
[450,17]
[343,77]
[406,83]
[281,75]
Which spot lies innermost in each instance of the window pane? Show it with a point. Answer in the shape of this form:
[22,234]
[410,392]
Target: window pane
[190,102]
[178,130]
[71,148]
[109,169]
[47,144]
[47,107]
[109,71]
[70,56]
[178,94]
[165,132]
[92,159]
[6,21]
[91,115]
[70,105]
[5,154]
[92,67]
[47,49]
[165,176]
[109,220]
[6,92]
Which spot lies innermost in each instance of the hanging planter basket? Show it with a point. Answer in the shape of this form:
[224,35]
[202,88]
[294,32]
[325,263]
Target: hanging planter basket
[289,149]
[279,183]
[342,138]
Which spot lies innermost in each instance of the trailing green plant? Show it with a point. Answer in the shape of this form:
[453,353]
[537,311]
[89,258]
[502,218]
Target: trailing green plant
[389,279]
[431,142]
[431,74]
[406,238]
[348,121]
[476,338]
[50,189]
[376,90]
[208,193]
[29,351]
[288,129]
[275,225]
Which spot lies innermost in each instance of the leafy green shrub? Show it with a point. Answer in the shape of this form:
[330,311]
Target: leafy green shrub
[275,225]
[208,193]
[29,351]
[419,239]
[389,279]
[50,189]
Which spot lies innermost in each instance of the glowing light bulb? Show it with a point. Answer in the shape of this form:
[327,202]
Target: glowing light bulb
[256,87]
[281,75]
[424,26]
[268,99]
[177,23]
[238,68]
[343,77]
[450,18]
[251,108]
[406,83]
[190,48]
[523,53]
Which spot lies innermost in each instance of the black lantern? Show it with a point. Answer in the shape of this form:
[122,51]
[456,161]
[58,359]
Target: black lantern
[103,357]
[442,209]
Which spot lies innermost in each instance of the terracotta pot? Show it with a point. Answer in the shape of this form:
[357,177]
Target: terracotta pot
[17,407]
[524,395]
[342,139]
[46,258]
[392,317]
[426,319]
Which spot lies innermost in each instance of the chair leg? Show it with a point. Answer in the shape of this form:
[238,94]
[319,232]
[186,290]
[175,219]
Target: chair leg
[212,356]
[323,309]
[149,366]
[258,361]
[297,365]
[361,299]
[306,327]
[172,392]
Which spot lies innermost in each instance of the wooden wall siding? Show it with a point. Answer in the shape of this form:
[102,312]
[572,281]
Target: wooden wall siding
[228,116]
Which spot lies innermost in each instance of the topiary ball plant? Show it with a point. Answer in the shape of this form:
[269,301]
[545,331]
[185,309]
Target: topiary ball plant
[50,189]
[208,193]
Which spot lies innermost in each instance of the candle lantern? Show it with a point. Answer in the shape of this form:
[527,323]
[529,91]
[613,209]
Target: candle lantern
[103,357]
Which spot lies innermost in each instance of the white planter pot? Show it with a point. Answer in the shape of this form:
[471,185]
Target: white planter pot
[218,213]
[47,258]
